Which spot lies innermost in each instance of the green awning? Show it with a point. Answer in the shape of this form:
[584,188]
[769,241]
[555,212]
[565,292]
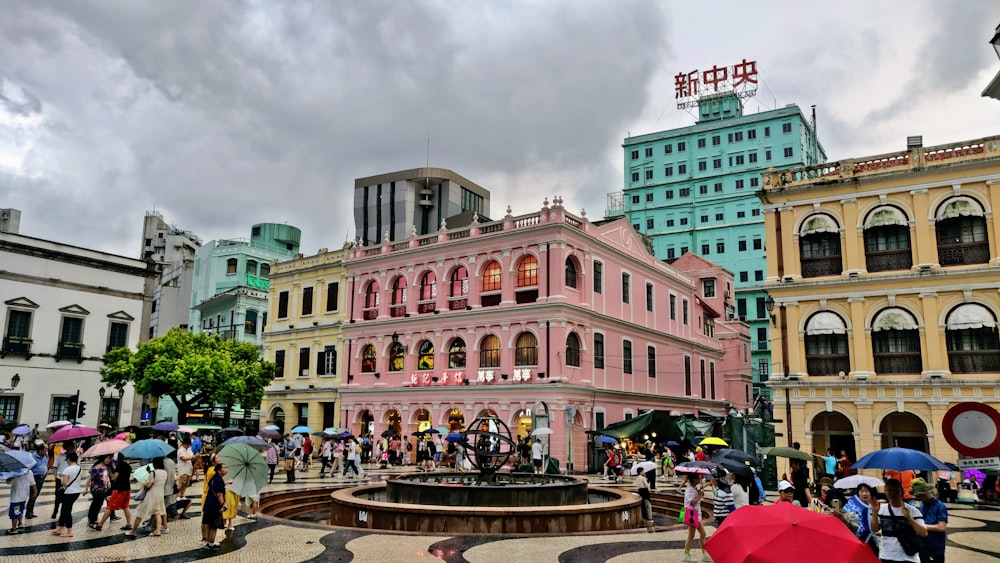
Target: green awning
[203,426]
[659,422]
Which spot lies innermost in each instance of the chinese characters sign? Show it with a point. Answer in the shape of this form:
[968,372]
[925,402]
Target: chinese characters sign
[483,376]
[740,79]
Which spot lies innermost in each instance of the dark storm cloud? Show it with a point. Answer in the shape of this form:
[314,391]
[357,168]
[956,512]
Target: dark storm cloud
[225,114]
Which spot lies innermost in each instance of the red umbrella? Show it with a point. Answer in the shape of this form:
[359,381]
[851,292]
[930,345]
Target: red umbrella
[784,532]
[74,432]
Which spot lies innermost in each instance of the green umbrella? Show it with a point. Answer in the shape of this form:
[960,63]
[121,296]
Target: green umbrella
[791,453]
[246,468]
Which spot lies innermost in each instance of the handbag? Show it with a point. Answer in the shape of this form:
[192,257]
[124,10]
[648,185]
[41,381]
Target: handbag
[140,495]
[680,516]
[289,464]
[692,518]
[908,538]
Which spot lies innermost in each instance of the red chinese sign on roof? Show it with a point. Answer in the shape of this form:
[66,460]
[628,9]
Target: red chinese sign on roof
[740,78]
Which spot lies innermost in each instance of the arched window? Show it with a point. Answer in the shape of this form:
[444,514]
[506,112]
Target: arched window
[826,345]
[397,354]
[961,232]
[489,352]
[425,356]
[368,359]
[492,276]
[887,240]
[973,344]
[399,291]
[231,265]
[526,350]
[371,295]
[572,350]
[459,282]
[428,286]
[571,272]
[251,267]
[819,247]
[527,271]
[456,354]
[896,342]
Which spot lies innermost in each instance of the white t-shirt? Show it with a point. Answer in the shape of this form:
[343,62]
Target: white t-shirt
[20,487]
[74,481]
[185,467]
[891,550]
[741,497]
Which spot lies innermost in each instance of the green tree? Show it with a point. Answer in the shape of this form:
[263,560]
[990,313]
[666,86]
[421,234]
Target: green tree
[192,369]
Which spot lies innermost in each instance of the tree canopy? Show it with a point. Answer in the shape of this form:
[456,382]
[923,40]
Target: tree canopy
[191,369]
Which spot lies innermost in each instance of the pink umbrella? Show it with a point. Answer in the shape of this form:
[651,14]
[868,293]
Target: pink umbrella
[121,436]
[106,447]
[185,429]
[58,424]
[74,432]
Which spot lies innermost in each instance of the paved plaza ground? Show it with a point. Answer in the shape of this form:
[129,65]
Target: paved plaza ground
[973,538]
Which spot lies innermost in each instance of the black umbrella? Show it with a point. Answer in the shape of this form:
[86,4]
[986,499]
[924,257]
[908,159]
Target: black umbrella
[736,468]
[734,455]
[388,433]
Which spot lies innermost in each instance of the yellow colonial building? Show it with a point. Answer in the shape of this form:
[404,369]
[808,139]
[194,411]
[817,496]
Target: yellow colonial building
[304,337]
[884,285]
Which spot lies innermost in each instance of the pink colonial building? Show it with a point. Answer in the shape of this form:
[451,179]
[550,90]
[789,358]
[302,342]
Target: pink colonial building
[543,320]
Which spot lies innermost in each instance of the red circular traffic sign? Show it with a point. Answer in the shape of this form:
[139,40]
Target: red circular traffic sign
[973,429]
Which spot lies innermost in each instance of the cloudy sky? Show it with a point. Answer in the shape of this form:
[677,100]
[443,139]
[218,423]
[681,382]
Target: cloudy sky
[224,114]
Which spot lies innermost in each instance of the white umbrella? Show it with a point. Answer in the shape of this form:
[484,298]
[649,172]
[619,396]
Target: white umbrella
[541,432]
[58,424]
[646,466]
[852,482]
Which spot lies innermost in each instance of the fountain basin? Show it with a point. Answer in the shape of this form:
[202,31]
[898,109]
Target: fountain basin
[496,490]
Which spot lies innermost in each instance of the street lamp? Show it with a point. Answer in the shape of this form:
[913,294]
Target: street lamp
[13,383]
[102,392]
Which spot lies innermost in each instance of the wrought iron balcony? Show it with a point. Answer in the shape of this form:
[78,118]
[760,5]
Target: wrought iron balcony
[828,365]
[369,314]
[70,351]
[886,260]
[426,307]
[974,361]
[17,345]
[898,362]
[964,253]
[397,311]
[826,266]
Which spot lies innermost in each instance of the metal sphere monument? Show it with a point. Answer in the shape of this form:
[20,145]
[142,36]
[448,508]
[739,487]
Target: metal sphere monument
[489,445]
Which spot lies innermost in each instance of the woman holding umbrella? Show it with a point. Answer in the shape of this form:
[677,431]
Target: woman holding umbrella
[860,504]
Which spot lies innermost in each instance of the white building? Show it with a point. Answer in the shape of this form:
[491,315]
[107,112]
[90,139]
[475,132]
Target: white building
[174,250]
[63,308]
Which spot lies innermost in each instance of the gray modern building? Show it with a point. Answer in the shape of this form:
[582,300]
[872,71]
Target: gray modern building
[173,250]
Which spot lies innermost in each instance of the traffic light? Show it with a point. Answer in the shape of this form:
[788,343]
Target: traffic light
[71,410]
[81,410]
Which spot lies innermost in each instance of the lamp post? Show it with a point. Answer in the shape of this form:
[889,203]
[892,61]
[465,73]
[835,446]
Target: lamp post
[14,381]
[783,331]
[111,396]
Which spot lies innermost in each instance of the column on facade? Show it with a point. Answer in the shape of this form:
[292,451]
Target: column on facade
[861,356]
[938,447]
[923,239]
[771,258]
[796,344]
[548,255]
[854,237]
[475,281]
[935,354]
[866,435]
[790,246]
[509,278]
[993,222]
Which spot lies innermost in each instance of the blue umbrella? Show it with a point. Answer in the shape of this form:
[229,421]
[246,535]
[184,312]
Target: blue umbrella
[252,441]
[672,444]
[900,459]
[302,430]
[453,438]
[165,426]
[147,449]
[270,427]
[606,440]
[15,460]
[21,430]
[432,431]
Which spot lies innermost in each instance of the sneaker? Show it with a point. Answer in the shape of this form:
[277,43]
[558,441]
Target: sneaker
[705,557]
[126,527]
[213,546]
[31,516]
[688,557]
[164,530]
[184,517]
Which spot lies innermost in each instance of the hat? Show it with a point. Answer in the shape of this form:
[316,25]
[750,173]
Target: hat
[919,487]
[785,486]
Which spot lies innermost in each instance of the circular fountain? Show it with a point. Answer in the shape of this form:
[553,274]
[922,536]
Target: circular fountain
[489,500]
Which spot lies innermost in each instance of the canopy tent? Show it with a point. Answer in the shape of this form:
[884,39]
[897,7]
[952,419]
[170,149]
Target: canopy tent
[960,206]
[894,318]
[970,316]
[666,427]
[819,223]
[884,216]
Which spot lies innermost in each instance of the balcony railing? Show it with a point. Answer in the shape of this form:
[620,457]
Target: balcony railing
[16,345]
[964,253]
[370,314]
[458,304]
[905,362]
[826,266]
[427,307]
[828,365]
[886,260]
[397,311]
[70,351]
[974,361]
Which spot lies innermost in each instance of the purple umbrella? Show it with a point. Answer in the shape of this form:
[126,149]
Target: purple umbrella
[166,426]
[74,432]
[21,430]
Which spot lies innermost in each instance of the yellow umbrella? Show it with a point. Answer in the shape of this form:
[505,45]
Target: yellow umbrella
[713,441]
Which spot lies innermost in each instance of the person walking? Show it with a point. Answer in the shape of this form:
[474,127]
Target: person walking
[151,506]
[307,450]
[72,486]
[290,458]
[935,520]
[213,506]
[121,476]
[185,467]
[99,487]
[271,459]
[325,451]
[892,519]
[351,455]
[723,503]
[38,472]
[642,489]
[58,465]
[537,452]
[693,494]
[22,488]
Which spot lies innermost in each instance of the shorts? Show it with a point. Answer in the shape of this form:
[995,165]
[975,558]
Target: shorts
[119,500]
[536,463]
[213,519]
[16,511]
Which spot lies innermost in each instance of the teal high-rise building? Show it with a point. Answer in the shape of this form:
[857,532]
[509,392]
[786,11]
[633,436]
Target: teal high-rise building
[693,189]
